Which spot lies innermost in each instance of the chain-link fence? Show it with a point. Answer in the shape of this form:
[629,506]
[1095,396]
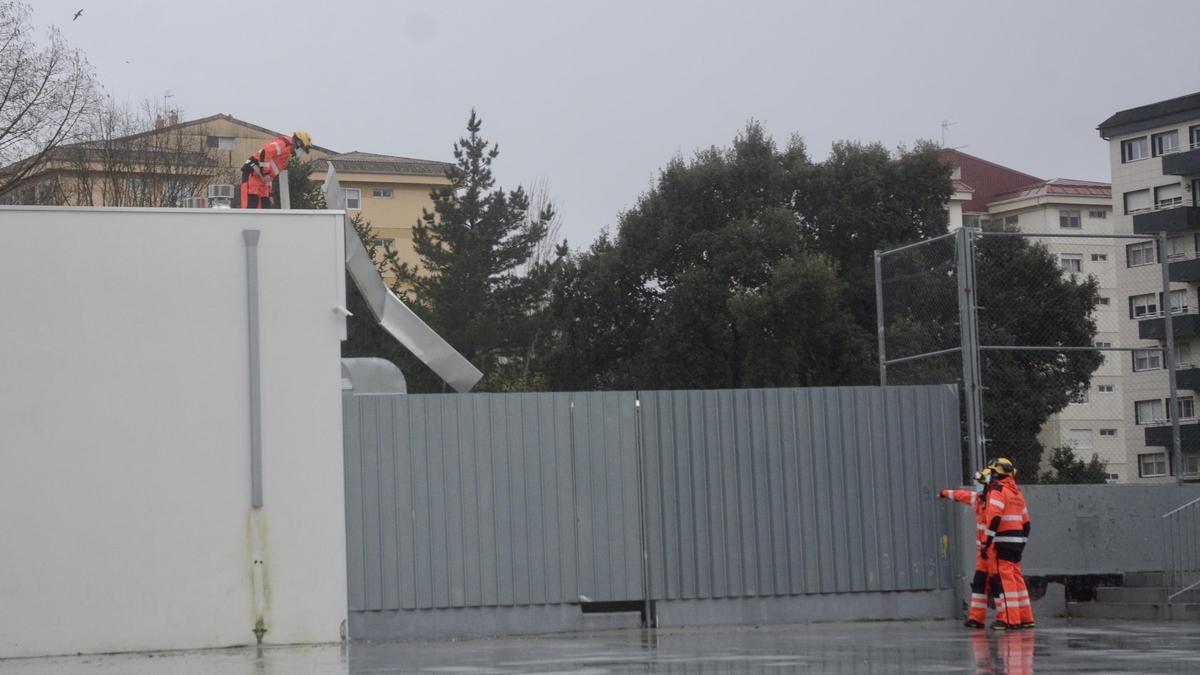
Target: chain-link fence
[1058,342]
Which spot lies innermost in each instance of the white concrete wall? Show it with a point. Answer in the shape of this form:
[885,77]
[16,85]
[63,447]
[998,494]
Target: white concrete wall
[124,430]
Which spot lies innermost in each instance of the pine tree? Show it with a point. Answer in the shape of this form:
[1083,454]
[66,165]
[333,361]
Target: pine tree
[478,282]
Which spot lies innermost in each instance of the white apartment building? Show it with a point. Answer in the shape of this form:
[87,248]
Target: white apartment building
[990,195]
[1155,158]
[1093,423]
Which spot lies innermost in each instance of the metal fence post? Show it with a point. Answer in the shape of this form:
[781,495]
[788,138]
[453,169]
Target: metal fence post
[879,318]
[969,335]
[1169,329]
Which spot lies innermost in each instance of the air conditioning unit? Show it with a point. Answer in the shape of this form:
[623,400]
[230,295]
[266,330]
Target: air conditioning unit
[193,203]
[220,196]
[220,192]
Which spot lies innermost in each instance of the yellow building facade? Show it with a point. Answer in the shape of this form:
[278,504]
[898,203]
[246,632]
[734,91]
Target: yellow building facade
[390,192]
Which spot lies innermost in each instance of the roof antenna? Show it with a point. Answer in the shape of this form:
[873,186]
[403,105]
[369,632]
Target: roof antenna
[946,124]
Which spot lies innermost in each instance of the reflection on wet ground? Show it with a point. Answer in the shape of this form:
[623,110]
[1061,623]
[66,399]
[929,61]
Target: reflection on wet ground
[894,647]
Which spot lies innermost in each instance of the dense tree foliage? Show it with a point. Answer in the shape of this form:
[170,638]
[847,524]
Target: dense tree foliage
[745,266]
[1066,468]
[479,281]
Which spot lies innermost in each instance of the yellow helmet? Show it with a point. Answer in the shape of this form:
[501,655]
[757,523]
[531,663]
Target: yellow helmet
[1002,466]
[303,139]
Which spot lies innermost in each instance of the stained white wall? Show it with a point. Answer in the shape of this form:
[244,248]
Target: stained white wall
[124,429]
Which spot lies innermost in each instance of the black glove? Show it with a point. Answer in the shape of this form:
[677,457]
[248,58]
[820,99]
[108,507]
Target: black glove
[983,551]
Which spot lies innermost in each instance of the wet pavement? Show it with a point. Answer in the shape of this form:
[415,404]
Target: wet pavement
[895,647]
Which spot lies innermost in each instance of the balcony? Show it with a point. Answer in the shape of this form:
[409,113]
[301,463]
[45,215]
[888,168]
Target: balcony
[1159,432]
[1187,376]
[1185,270]
[1186,325]
[1174,216]
[1183,163]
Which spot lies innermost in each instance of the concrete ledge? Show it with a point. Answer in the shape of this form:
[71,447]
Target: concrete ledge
[421,624]
[890,606]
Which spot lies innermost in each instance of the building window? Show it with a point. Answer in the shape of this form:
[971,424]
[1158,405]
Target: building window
[970,220]
[1191,465]
[1187,407]
[1139,254]
[1104,345]
[1106,388]
[1072,263]
[1165,143]
[1152,466]
[1137,201]
[1143,305]
[1168,196]
[1080,439]
[1194,136]
[1134,149]
[1069,219]
[1176,247]
[384,242]
[222,142]
[381,194]
[1103,301]
[1011,221]
[1099,257]
[1112,433]
[1183,355]
[1081,397]
[1147,359]
[1145,412]
[1098,215]
[353,197]
[1179,301]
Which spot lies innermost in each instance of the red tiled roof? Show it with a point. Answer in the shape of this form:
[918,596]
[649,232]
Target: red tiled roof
[987,178]
[1058,186]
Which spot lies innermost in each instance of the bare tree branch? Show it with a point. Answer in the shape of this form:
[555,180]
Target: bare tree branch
[47,93]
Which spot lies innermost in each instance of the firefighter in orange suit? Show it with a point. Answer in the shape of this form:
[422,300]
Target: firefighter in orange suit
[1006,533]
[266,164]
[984,568]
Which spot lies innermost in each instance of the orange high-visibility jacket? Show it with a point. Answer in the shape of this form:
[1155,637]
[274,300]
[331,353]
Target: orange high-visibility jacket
[274,157]
[976,500]
[1007,517]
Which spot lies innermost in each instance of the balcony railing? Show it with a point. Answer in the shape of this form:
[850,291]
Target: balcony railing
[1168,215]
[1182,161]
[1153,326]
[1158,432]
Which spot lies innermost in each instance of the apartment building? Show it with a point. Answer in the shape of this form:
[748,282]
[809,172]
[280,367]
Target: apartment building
[989,195]
[390,192]
[1154,152]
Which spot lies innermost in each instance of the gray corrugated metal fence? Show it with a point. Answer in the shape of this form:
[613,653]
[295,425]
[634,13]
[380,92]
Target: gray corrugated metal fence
[503,500]
[759,492]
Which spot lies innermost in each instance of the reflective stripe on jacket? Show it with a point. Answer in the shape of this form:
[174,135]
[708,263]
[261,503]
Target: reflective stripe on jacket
[274,157]
[978,501]
[1007,516]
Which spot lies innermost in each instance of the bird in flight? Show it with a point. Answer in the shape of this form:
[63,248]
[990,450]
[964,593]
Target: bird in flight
[77,15]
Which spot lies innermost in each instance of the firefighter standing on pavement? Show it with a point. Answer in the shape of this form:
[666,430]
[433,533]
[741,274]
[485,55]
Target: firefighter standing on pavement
[265,165]
[985,569]
[1007,530]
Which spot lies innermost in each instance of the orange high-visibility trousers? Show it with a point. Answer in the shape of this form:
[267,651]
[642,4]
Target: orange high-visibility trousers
[1013,604]
[256,189]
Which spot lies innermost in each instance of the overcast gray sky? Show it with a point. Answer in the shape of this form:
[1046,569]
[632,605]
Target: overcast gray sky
[595,96]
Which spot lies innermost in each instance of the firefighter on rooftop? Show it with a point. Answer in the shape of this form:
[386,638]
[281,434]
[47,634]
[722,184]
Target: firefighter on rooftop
[264,166]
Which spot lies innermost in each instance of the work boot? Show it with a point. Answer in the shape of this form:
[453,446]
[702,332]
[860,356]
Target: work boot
[972,623]
[1031,624]
[1000,626]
